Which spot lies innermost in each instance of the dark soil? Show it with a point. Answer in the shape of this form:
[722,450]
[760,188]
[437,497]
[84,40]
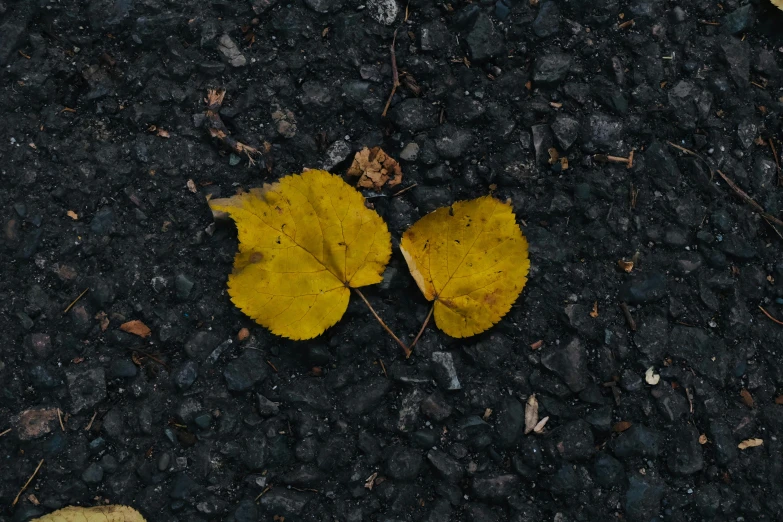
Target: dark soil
[193,424]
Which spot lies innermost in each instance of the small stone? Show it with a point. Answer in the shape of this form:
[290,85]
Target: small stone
[185,375]
[495,488]
[436,408]
[101,223]
[203,421]
[414,115]
[510,423]
[384,12]
[638,441]
[285,122]
[433,36]
[231,53]
[37,345]
[453,142]
[685,456]
[122,369]
[336,154]
[267,408]
[542,142]
[646,288]
[446,466]
[403,463]
[410,152]
[484,40]
[723,442]
[746,131]
[93,474]
[86,386]
[608,470]
[566,130]
[408,414]
[601,132]
[445,371]
[307,393]
[183,286]
[643,497]
[362,398]
[652,337]
[547,23]
[551,69]
[41,377]
[738,20]
[574,441]
[245,371]
[164,461]
[285,502]
[569,363]
[201,344]
[316,93]
[35,423]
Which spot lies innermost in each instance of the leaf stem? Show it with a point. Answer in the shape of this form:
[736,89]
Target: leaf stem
[402,344]
[421,331]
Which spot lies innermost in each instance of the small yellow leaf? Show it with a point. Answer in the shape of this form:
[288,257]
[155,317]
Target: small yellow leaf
[304,242]
[750,443]
[470,259]
[778,4]
[93,514]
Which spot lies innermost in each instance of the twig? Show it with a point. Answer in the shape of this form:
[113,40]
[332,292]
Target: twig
[770,316]
[421,331]
[263,492]
[395,75]
[628,316]
[692,153]
[406,189]
[606,158]
[402,344]
[383,368]
[777,161]
[5,432]
[272,365]
[27,483]
[89,425]
[75,300]
[750,201]
[217,129]
[60,418]
[149,356]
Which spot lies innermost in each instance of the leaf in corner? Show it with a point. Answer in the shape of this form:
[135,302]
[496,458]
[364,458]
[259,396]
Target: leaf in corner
[778,4]
[304,242]
[471,259]
[375,169]
[93,514]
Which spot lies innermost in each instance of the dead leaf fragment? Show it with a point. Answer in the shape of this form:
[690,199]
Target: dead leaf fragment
[779,399]
[625,265]
[136,327]
[594,311]
[531,414]
[621,426]
[101,316]
[536,345]
[651,377]
[539,428]
[163,133]
[703,439]
[370,482]
[375,168]
[747,398]
[487,413]
[750,443]
[73,215]
[243,334]
[553,155]
[192,186]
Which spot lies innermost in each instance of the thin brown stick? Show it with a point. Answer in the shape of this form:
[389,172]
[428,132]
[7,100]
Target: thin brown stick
[263,492]
[402,344]
[6,432]
[695,154]
[217,129]
[75,300]
[770,316]
[421,331]
[27,483]
[383,368]
[60,418]
[777,161]
[749,200]
[406,189]
[149,356]
[628,316]
[395,75]
[95,414]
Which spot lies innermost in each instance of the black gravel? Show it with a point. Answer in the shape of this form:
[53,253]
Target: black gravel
[194,424]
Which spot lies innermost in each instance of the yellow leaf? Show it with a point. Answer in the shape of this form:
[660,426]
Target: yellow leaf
[778,4]
[471,259]
[303,243]
[93,514]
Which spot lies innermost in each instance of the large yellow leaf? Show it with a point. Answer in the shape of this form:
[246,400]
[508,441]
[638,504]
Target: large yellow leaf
[471,259]
[778,4]
[303,243]
[93,514]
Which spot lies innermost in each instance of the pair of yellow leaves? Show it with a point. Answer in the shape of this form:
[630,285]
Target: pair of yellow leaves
[305,241]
